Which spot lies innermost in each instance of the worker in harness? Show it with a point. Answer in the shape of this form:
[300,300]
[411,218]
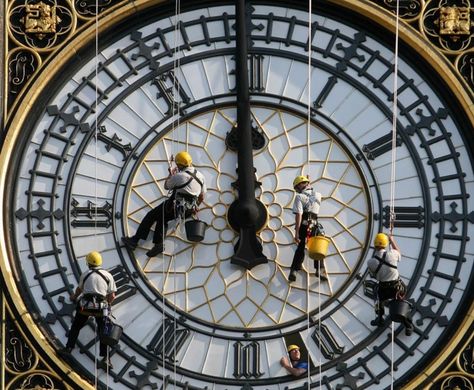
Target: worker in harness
[294,365]
[94,295]
[383,266]
[188,187]
[306,208]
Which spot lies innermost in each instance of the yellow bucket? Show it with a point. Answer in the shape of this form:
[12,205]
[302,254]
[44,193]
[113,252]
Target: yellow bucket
[318,247]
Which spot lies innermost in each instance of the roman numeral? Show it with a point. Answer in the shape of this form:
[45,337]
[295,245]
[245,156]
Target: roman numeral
[380,146]
[247,360]
[167,92]
[318,103]
[405,217]
[326,342]
[124,290]
[256,72]
[114,142]
[168,340]
[91,215]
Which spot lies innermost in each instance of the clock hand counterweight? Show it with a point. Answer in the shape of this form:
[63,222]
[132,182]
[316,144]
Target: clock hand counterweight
[245,214]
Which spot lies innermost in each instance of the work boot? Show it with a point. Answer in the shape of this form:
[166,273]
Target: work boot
[105,364]
[377,322]
[292,276]
[156,250]
[409,328]
[65,351]
[130,242]
[321,276]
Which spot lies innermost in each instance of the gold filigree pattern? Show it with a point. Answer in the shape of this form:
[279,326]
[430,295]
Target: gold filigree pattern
[87,9]
[408,10]
[22,63]
[465,65]
[466,359]
[39,381]
[18,355]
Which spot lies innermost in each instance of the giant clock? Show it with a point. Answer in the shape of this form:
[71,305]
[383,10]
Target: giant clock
[87,159]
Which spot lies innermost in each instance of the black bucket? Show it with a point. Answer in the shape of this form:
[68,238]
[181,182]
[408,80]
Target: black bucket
[195,229]
[111,335]
[399,310]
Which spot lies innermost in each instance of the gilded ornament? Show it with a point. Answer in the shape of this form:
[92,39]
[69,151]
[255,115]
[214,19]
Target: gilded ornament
[41,19]
[454,21]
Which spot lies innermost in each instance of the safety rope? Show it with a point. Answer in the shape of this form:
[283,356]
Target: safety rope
[308,138]
[393,160]
[96,139]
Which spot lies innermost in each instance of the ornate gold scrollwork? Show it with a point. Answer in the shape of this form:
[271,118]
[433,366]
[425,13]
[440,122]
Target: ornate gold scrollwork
[408,9]
[465,66]
[88,9]
[21,63]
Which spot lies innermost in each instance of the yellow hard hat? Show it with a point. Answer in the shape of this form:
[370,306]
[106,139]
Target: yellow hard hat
[183,159]
[94,259]
[381,239]
[292,347]
[300,179]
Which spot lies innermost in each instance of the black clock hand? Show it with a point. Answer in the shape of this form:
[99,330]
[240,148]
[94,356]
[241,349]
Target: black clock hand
[246,214]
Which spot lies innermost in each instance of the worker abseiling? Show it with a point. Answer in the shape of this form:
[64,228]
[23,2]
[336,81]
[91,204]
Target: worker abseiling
[383,266]
[306,209]
[187,188]
[293,363]
[93,296]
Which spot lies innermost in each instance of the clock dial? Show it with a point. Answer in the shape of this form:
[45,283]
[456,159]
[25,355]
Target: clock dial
[200,279]
[79,187]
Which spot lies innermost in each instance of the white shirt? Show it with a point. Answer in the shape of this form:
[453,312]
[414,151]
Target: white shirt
[307,201]
[385,272]
[95,284]
[180,178]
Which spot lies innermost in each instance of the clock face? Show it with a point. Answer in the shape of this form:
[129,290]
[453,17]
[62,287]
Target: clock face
[190,314]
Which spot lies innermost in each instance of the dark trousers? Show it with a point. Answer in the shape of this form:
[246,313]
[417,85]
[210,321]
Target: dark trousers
[299,253]
[161,215]
[387,291]
[78,323]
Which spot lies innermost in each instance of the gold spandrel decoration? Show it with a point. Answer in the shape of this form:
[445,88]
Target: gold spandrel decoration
[41,19]
[454,21]
[40,26]
[448,25]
